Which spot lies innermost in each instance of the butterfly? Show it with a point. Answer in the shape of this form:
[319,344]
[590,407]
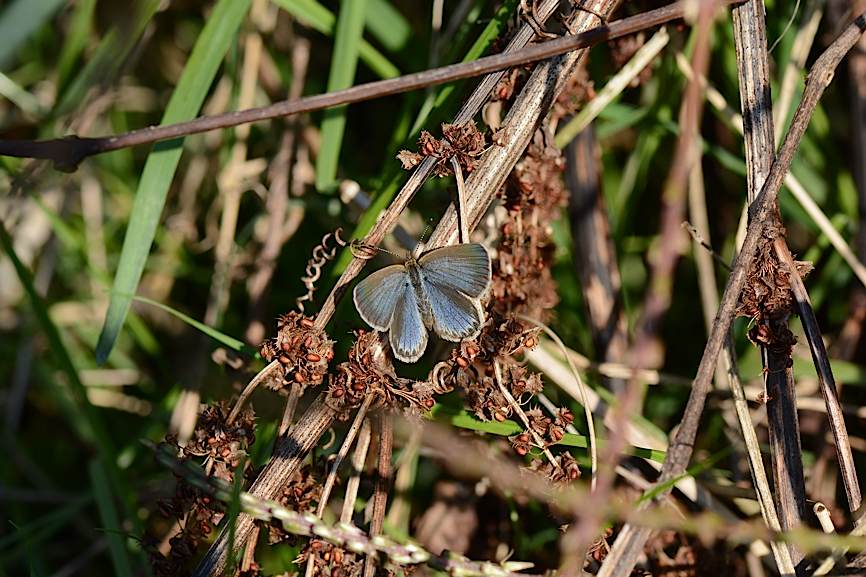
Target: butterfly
[440,290]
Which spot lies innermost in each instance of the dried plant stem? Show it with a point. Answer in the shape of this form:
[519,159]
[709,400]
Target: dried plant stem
[582,396]
[796,188]
[359,457]
[272,371]
[630,541]
[515,406]
[800,49]
[545,83]
[385,426]
[295,393]
[461,200]
[826,382]
[68,152]
[360,419]
[837,554]
[341,535]
[753,67]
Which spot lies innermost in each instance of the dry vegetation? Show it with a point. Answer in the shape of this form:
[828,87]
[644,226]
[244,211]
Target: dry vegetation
[670,374]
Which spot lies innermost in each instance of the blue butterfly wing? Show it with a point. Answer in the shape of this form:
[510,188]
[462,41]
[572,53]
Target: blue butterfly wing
[461,267]
[377,295]
[408,335]
[455,316]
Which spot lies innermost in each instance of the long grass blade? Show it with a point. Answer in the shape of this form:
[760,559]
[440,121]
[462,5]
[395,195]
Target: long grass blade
[344,62]
[198,75]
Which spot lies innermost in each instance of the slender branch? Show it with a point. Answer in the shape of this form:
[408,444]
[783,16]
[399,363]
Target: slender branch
[630,542]
[826,382]
[68,152]
[383,482]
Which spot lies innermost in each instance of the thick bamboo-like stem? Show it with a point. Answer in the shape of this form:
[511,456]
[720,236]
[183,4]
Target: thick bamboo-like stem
[750,38]
[629,543]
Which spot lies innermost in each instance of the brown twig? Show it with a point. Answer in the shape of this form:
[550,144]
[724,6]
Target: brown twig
[383,482]
[826,382]
[630,542]
[68,152]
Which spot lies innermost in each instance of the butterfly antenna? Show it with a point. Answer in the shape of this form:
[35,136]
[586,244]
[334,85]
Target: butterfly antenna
[366,251]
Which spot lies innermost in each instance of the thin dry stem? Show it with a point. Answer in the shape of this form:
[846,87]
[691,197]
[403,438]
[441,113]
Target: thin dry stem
[515,406]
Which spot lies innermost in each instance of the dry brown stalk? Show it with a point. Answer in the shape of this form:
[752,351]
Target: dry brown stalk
[630,542]
[68,152]
[826,382]
[383,482]
[753,68]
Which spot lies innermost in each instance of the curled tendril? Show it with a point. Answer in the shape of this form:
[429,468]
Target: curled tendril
[322,254]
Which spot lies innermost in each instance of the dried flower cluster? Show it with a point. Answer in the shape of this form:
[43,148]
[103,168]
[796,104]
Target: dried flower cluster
[224,448]
[303,351]
[767,298]
[461,141]
[330,560]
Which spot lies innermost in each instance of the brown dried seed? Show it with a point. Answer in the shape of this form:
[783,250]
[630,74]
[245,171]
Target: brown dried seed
[338,392]
[313,357]
[567,415]
[338,556]
[308,342]
[499,416]
[521,450]
[296,340]
[462,362]
[429,403]
[317,378]
[556,434]
[472,351]
[307,323]
[299,378]
[529,342]
[523,438]
[358,386]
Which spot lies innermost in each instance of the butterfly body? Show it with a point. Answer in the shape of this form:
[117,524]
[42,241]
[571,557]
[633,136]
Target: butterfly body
[438,291]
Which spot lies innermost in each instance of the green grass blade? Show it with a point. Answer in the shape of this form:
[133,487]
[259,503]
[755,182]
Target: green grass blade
[344,62]
[387,25]
[110,521]
[110,55]
[19,21]
[315,16]
[75,41]
[186,100]
[220,337]
[91,422]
